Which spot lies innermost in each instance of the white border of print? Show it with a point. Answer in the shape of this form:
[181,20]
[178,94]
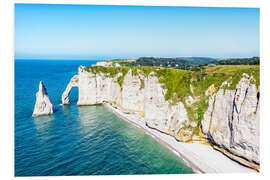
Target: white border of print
[7,82]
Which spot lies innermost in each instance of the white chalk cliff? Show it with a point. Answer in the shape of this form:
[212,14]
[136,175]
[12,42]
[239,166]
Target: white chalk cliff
[43,104]
[231,121]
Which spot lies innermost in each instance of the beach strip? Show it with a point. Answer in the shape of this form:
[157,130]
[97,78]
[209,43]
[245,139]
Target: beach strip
[201,158]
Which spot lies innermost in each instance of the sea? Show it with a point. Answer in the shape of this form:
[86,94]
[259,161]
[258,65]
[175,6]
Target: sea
[84,140]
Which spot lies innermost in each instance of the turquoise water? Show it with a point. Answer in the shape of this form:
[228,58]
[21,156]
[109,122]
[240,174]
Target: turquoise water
[85,140]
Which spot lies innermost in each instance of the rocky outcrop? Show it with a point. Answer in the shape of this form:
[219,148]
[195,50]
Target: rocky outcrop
[231,121]
[43,104]
[73,83]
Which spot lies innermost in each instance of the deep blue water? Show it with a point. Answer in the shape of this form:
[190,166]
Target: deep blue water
[87,140]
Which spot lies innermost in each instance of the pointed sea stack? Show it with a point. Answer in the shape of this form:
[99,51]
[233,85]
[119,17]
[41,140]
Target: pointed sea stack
[43,104]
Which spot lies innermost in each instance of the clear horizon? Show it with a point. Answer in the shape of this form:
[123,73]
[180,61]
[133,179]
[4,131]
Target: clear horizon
[99,32]
[87,59]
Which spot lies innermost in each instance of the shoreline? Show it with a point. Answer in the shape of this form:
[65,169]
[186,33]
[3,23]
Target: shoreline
[201,158]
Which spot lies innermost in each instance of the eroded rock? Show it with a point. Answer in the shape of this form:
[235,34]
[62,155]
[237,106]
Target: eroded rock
[232,120]
[73,83]
[43,104]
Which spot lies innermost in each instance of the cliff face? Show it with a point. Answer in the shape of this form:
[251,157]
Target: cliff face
[231,121]
[97,88]
[159,113]
[43,104]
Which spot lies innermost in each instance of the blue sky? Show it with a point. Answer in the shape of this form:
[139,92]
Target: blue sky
[104,32]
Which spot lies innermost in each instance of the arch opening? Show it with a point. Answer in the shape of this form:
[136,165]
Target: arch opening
[69,93]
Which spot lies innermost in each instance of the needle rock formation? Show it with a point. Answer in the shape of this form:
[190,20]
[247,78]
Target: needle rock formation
[43,104]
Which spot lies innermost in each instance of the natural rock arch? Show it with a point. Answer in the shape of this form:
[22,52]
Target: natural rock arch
[74,82]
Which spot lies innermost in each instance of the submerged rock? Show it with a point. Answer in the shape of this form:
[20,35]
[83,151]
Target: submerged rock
[43,104]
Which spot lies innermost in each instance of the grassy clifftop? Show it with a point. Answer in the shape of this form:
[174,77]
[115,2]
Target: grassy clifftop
[183,83]
[178,82]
